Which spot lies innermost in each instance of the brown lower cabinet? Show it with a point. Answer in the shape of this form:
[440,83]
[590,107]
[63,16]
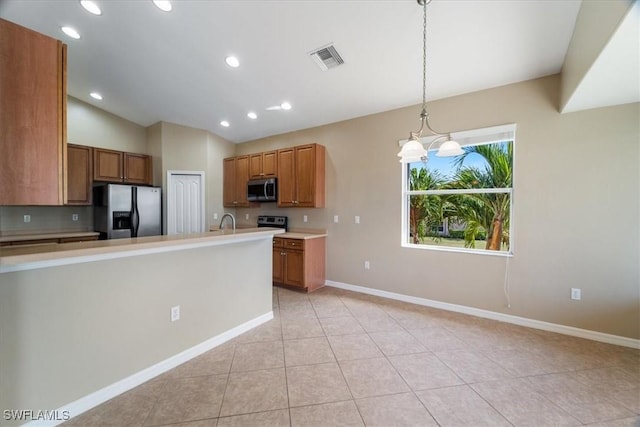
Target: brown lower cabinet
[299,263]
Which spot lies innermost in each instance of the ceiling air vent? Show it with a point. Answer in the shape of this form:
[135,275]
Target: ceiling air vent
[327,57]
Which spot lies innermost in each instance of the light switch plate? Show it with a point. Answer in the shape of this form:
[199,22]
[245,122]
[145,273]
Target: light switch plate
[335,219]
[175,313]
[576,293]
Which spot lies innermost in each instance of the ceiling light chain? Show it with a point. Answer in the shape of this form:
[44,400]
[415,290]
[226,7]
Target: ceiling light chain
[413,150]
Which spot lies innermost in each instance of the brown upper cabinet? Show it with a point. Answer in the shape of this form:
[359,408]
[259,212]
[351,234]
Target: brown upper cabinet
[263,165]
[235,175]
[301,176]
[33,117]
[79,174]
[116,166]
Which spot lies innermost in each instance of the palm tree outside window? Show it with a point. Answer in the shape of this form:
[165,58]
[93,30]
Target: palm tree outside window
[463,203]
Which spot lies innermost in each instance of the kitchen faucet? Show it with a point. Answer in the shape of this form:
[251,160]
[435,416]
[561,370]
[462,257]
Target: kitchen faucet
[233,221]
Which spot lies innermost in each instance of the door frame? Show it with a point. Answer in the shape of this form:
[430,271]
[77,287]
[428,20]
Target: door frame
[170,174]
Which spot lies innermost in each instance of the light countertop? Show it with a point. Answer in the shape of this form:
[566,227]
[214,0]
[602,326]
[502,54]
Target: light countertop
[301,235]
[15,258]
[294,233]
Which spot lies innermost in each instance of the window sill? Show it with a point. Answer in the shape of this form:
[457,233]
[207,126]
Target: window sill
[508,254]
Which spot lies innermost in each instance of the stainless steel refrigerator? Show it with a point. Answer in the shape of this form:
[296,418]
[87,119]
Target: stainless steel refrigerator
[121,211]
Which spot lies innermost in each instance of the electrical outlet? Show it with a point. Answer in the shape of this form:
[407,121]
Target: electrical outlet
[335,219]
[27,218]
[175,313]
[576,293]
[305,218]
[357,219]
[246,216]
[367,265]
[74,217]
[215,215]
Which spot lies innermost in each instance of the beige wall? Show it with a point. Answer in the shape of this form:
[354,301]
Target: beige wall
[69,331]
[182,148]
[576,208]
[88,125]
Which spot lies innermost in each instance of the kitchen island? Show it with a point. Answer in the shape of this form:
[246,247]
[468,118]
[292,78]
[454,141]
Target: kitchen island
[83,322]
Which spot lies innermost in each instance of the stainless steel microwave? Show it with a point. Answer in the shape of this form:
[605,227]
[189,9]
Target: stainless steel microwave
[262,190]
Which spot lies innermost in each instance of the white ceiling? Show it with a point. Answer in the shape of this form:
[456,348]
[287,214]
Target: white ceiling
[155,66]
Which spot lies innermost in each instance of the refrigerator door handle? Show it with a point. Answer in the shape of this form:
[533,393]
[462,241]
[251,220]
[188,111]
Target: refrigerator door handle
[135,213]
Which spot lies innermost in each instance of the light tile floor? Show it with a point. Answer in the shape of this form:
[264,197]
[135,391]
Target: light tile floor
[337,358]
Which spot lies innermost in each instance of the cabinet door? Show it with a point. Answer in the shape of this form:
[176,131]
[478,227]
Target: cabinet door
[255,166]
[32,117]
[294,268]
[242,177]
[306,175]
[107,165]
[278,265]
[229,182]
[79,174]
[270,164]
[137,169]
[286,177]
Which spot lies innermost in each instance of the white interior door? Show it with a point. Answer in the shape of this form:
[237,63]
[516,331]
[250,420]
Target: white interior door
[185,202]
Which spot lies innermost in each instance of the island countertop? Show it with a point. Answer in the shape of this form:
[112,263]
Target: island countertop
[17,258]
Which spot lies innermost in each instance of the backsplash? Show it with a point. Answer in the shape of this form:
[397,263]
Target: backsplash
[44,219]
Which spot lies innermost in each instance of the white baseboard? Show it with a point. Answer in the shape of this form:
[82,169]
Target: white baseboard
[98,397]
[521,321]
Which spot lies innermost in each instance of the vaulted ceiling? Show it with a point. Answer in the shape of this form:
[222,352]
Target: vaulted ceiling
[152,66]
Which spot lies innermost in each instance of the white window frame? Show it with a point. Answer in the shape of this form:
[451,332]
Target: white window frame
[465,138]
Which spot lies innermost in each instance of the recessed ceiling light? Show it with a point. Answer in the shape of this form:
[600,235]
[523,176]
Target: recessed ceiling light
[71,32]
[96,95]
[252,115]
[224,123]
[91,7]
[232,61]
[284,106]
[164,5]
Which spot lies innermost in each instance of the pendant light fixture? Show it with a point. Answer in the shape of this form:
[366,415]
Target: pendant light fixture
[413,150]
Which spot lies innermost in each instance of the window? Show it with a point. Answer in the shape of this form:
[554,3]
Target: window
[462,203]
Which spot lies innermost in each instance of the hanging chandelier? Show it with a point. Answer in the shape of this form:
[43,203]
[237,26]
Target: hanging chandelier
[413,150]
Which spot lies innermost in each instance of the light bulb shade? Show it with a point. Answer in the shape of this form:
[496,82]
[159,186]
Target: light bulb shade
[449,149]
[412,151]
